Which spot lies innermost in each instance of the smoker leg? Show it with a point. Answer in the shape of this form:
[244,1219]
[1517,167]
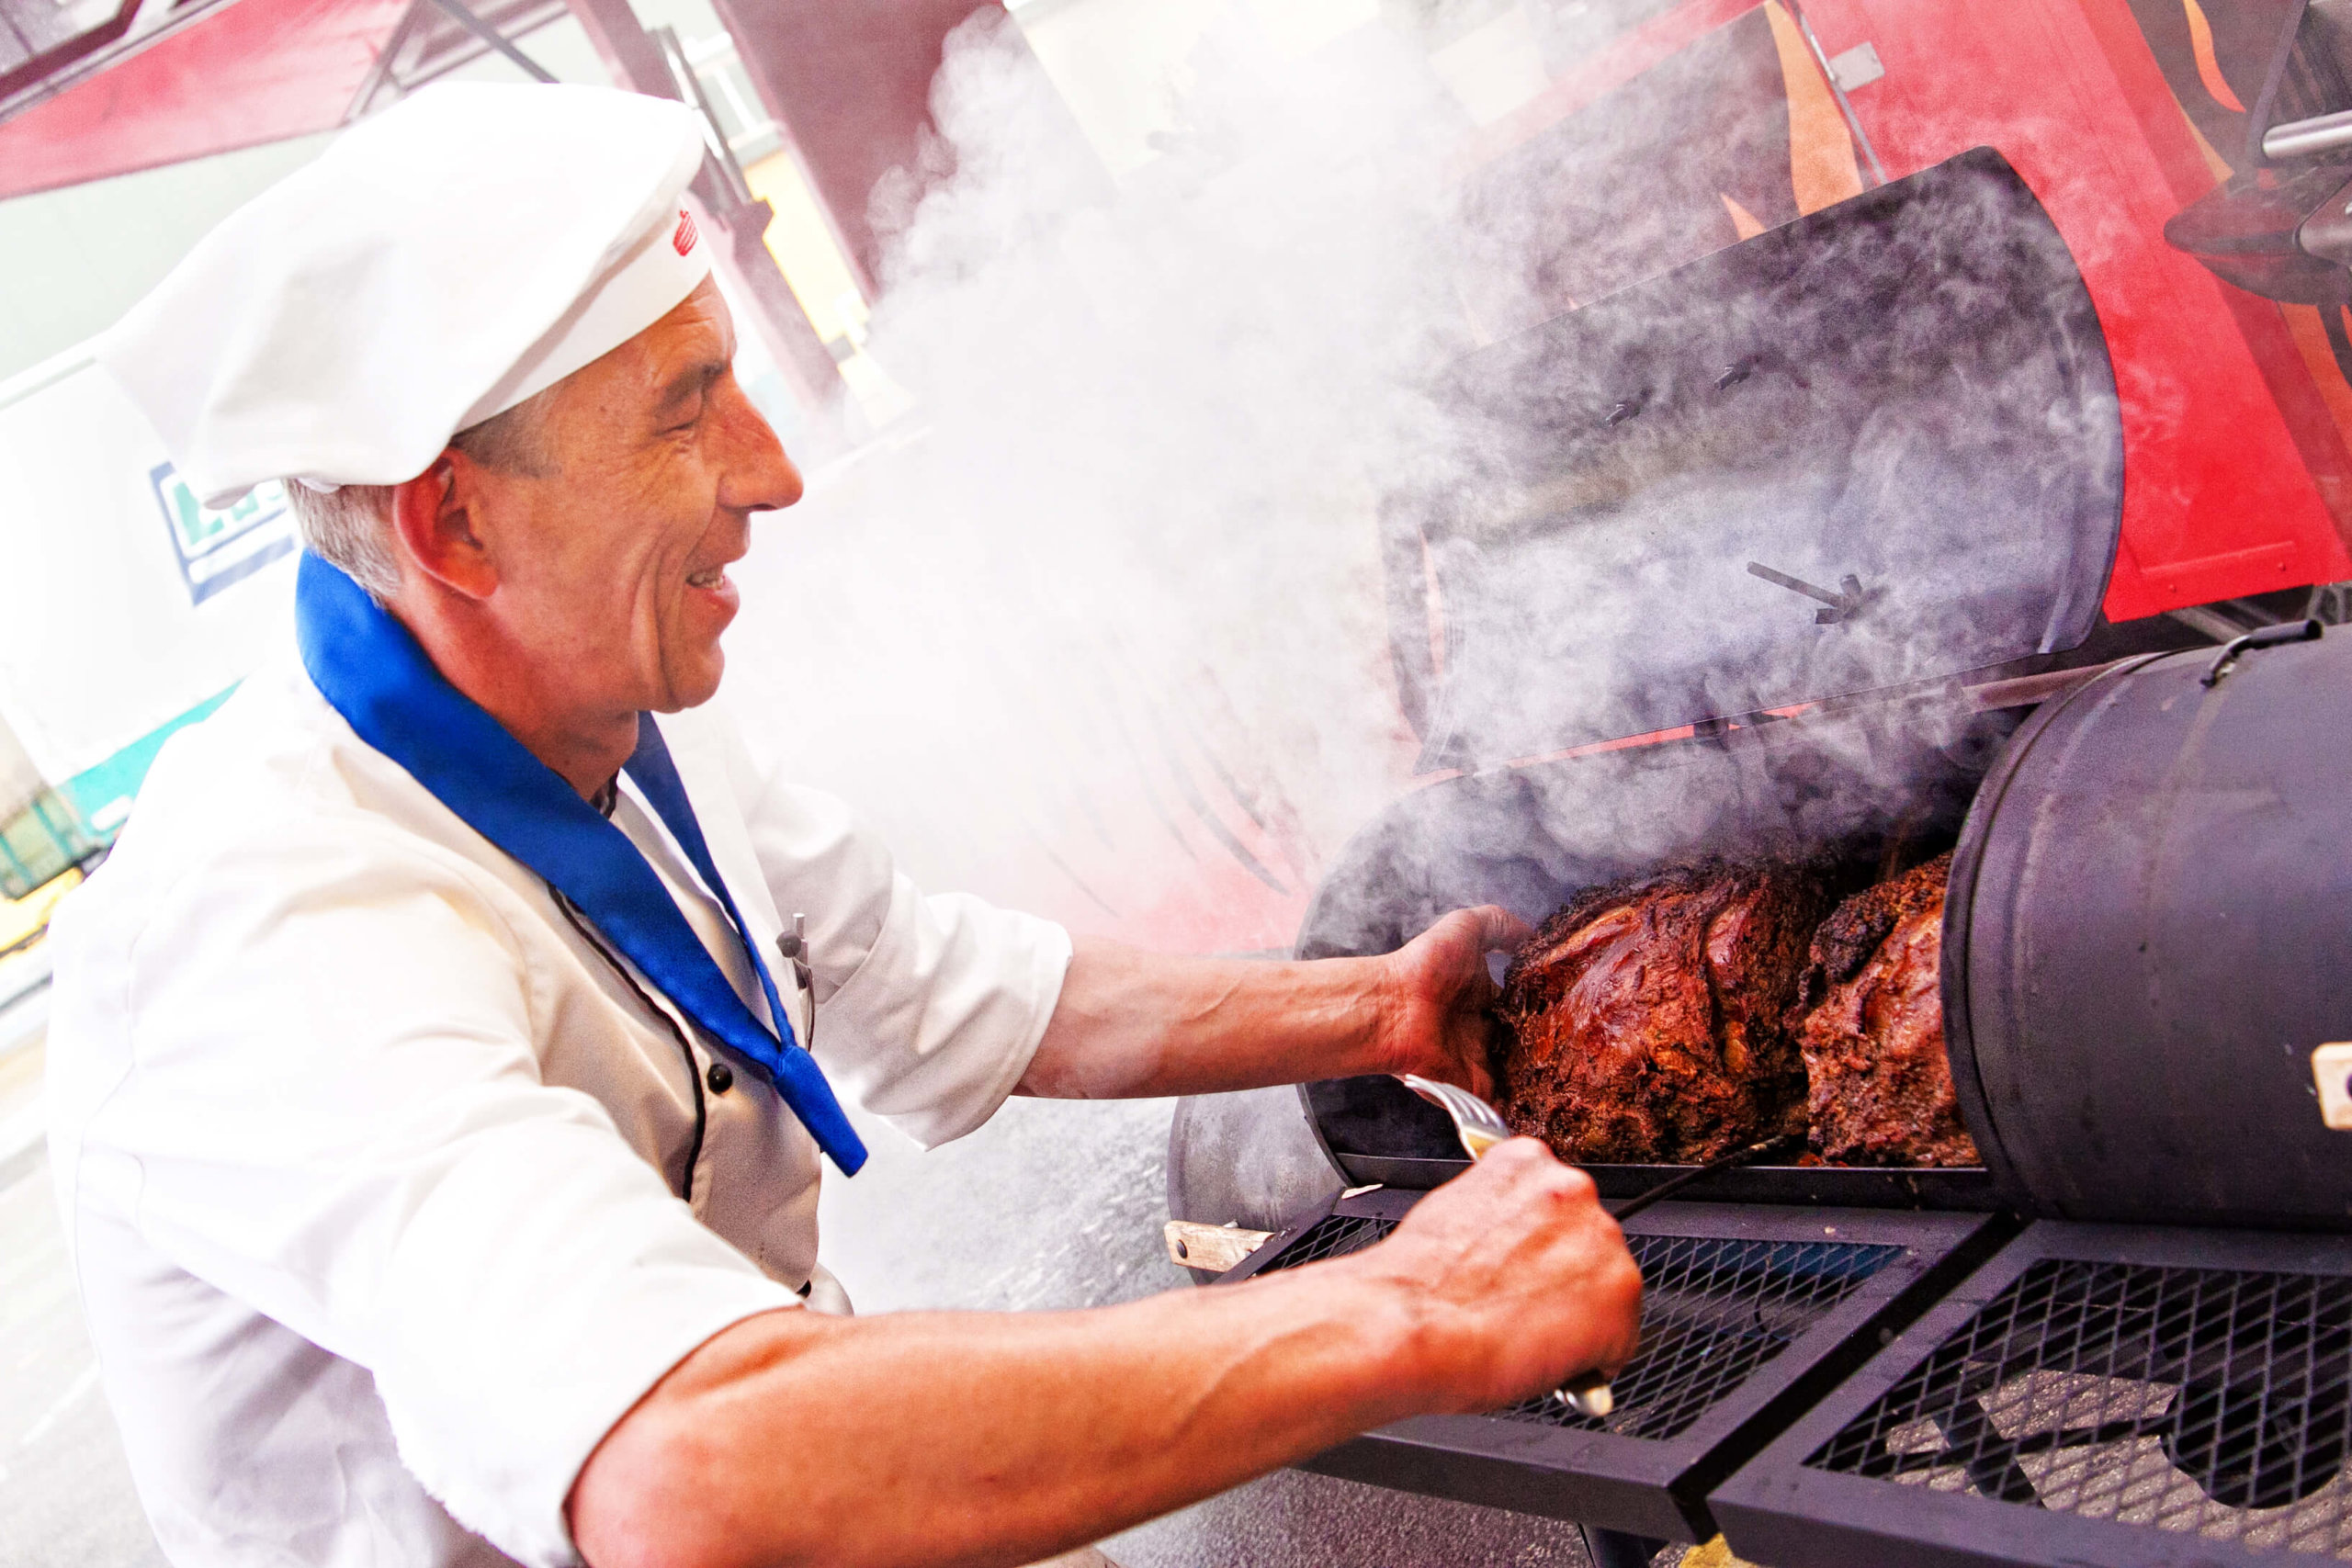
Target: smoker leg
[1615,1549]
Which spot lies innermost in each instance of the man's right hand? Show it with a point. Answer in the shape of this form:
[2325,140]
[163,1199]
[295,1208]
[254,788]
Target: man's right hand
[1515,1277]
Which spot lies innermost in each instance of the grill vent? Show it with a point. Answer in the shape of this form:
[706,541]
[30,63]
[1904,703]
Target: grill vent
[1714,1310]
[2209,1402]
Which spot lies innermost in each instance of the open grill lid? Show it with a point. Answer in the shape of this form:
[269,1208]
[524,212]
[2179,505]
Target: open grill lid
[1874,447]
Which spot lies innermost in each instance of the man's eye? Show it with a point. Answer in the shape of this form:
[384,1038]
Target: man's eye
[693,402]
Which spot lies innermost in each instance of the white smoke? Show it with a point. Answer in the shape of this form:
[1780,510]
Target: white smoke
[1098,630]
[1112,610]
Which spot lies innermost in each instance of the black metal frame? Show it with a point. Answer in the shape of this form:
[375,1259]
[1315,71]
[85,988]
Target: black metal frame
[1648,1487]
[1963,1188]
[1781,1509]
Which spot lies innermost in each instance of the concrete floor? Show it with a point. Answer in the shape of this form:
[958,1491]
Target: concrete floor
[1050,1205]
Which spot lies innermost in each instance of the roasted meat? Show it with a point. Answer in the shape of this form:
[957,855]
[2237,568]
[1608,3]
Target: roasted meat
[1648,1019]
[1871,1025]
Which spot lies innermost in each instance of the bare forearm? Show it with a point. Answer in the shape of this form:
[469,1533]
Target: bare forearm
[1131,1023]
[945,1438]
[964,1438]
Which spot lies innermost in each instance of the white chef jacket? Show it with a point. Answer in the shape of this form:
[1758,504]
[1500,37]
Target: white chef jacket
[372,1158]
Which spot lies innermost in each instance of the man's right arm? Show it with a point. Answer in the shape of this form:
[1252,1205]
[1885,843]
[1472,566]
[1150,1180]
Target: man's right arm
[972,1438]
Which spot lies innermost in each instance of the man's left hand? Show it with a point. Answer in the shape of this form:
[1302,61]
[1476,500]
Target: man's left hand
[1435,1018]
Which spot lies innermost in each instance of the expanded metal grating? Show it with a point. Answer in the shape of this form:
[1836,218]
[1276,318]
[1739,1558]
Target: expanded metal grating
[1334,1236]
[2209,1402]
[1715,1310]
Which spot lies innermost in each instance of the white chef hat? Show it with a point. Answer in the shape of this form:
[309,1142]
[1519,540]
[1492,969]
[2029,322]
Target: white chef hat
[440,263]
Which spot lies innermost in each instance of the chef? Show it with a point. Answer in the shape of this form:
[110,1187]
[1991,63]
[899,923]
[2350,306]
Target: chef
[442,1065]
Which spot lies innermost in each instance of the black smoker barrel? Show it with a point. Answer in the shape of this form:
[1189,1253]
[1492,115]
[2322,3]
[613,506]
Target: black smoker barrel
[2148,933]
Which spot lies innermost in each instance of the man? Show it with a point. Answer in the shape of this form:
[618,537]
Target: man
[435,1111]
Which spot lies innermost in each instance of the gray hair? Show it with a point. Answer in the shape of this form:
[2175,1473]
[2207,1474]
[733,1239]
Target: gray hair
[350,527]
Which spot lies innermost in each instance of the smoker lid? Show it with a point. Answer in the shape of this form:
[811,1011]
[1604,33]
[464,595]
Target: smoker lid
[1874,447]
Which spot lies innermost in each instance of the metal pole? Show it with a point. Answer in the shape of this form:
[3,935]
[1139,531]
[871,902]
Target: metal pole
[1845,105]
[497,41]
[714,135]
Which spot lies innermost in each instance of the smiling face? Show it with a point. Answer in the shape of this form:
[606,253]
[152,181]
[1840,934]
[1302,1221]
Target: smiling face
[611,548]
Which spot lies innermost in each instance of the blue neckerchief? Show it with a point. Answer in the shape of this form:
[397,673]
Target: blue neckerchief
[368,666]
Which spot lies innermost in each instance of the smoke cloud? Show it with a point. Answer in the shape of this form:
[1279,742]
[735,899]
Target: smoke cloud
[1122,621]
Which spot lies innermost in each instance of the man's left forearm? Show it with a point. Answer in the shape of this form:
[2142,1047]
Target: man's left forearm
[1131,1023]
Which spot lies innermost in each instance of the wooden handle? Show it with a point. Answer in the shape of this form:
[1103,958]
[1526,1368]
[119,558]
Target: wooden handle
[1212,1247]
[1589,1393]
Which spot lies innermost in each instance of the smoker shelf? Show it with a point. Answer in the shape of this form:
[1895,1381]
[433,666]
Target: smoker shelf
[2096,1395]
[1964,1188]
[1748,1314]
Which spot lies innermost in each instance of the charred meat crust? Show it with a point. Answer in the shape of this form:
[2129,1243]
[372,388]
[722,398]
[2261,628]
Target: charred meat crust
[1854,931]
[1649,1020]
[1869,1025]
[1673,1018]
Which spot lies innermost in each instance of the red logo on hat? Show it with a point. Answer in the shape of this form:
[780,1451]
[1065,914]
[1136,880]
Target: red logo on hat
[683,240]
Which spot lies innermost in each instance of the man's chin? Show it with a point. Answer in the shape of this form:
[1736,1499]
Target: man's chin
[692,682]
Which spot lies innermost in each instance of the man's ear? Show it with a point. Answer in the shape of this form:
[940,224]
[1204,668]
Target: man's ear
[434,516]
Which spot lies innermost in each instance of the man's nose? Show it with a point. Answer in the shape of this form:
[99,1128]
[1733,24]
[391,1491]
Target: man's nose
[758,475]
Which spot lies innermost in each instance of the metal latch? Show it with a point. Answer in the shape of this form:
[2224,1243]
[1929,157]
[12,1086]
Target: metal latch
[1625,409]
[1846,600]
[1856,68]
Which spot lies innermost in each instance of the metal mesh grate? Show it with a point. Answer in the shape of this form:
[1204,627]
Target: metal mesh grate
[1714,1310]
[2204,1401]
[1334,1236]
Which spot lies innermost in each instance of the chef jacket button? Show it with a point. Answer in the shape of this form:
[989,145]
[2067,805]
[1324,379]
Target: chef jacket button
[721,1078]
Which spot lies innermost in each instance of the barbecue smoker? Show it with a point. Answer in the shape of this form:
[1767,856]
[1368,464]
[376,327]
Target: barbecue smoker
[1826,518]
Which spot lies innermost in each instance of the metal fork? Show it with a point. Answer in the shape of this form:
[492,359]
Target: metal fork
[1480,1127]
[1478,1124]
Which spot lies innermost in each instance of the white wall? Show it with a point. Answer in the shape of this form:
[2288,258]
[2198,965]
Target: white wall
[109,632]
[71,261]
